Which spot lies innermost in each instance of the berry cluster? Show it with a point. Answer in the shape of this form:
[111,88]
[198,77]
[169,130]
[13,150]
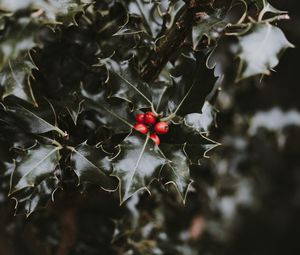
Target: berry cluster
[148,119]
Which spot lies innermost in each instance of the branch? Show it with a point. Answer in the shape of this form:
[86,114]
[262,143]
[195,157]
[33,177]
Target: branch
[172,40]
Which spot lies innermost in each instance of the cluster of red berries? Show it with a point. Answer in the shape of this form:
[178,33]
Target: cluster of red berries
[149,118]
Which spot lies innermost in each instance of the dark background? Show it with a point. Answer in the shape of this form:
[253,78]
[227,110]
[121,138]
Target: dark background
[249,202]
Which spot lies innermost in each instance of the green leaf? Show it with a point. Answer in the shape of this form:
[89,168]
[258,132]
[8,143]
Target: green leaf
[266,7]
[92,165]
[37,165]
[75,108]
[176,171]
[201,122]
[210,25]
[135,164]
[148,11]
[114,115]
[260,49]
[126,84]
[19,36]
[15,78]
[53,10]
[66,10]
[195,144]
[13,6]
[192,82]
[30,199]
[34,121]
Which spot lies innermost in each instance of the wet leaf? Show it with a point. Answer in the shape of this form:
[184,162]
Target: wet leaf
[126,83]
[92,165]
[115,115]
[260,50]
[135,164]
[15,78]
[29,200]
[19,36]
[176,171]
[201,122]
[34,121]
[38,164]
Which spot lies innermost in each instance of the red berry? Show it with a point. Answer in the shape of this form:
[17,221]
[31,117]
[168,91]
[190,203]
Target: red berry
[161,127]
[155,138]
[140,118]
[142,128]
[150,118]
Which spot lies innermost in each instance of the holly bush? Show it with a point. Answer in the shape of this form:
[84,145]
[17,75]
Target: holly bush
[77,75]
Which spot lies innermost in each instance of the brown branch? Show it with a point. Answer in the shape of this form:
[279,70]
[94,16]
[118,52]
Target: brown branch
[172,40]
[69,231]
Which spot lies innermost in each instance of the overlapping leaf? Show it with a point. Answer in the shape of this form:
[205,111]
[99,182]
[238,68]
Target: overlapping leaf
[92,165]
[35,121]
[260,50]
[31,199]
[201,122]
[148,10]
[138,159]
[37,165]
[15,78]
[115,115]
[192,82]
[54,10]
[18,37]
[135,164]
[210,25]
[176,171]
[126,83]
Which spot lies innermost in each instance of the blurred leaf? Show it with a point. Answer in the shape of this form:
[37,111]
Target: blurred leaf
[92,165]
[38,164]
[201,122]
[30,199]
[210,25]
[135,164]
[260,49]
[54,10]
[18,37]
[15,78]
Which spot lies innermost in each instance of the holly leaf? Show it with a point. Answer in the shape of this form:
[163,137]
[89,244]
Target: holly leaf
[75,108]
[35,121]
[210,24]
[195,144]
[14,6]
[54,10]
[266,7]
[38,164]
[201,122]
[18,37]
[260,49]
[192,82]
[113,114]
[176,171]
[30,199]
[15,78]
[135,164]
[125,83]
[92,165]
[66,10]
[148,11]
